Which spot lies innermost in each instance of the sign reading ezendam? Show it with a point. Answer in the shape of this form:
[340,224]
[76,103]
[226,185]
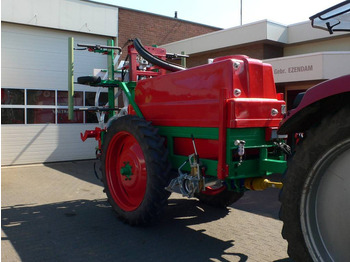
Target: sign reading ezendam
[293,69]
[297,68]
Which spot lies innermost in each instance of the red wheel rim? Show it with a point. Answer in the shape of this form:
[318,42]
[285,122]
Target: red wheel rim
[211,191]
[126,172]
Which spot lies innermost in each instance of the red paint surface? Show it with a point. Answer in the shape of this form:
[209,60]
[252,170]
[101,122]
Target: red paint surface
[204,96]
[192,97]
[321,91]
[133,68]
[207,149]
[123,150]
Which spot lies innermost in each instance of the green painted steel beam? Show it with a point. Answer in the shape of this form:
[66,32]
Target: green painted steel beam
[272,166]
[110,63]
[262,165]
[128,89]
[71,78]
[197,132]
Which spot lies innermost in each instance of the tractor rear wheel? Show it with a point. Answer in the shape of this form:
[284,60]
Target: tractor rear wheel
[135,170]
[220,197]
[316,195]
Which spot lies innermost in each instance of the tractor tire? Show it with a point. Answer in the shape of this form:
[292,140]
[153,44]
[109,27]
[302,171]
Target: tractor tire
[316,197]
[222,199]
[135,170]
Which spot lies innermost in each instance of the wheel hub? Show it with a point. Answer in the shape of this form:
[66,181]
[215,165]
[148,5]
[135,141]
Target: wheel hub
[126,171]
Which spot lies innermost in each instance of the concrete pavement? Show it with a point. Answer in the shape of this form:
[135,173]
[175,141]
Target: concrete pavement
[58,212]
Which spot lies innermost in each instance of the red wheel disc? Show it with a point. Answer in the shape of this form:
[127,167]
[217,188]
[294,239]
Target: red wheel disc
[211,191]
[126,172]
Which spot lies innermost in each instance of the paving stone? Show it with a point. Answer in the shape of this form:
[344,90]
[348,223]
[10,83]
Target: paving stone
[58,212]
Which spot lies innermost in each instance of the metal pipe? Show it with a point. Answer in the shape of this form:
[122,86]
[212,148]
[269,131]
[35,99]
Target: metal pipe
[241,20]
[183,59]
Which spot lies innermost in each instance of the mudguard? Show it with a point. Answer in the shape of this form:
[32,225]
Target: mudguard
[314,101]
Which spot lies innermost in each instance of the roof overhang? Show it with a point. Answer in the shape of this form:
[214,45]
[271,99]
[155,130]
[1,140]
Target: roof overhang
[261,31]
[235,36]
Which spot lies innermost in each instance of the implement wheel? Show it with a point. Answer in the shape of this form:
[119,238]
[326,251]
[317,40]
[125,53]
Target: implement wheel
[135,170]
[316,195]
[218,197]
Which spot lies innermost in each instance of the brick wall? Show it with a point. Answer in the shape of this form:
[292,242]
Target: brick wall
[154,29]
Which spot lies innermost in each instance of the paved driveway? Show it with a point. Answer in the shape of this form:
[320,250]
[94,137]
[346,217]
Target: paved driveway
[58,212]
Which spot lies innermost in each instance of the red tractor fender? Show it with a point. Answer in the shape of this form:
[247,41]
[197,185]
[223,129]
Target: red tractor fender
[317,101]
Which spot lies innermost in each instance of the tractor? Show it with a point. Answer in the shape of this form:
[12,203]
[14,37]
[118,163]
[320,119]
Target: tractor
[208,132]
[315,196]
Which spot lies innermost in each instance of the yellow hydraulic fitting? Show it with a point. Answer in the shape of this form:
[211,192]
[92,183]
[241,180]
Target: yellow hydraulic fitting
[259,184]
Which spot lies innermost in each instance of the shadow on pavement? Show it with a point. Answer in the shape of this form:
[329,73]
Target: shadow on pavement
[263,203]
[85,230]
[84,170]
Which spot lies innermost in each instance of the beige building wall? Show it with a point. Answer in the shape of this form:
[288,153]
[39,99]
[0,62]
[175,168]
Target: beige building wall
[340,43]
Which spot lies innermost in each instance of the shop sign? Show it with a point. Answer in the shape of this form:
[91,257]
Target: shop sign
[297,68]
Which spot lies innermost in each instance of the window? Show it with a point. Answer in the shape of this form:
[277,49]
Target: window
[62,98]
[40,116]
[62,107]
[40,97]
[62,116]
[12,106]
[32,106]
[90,117]
[12,116]
[12,96]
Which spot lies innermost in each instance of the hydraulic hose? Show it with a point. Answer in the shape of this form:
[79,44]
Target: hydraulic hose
[153,59]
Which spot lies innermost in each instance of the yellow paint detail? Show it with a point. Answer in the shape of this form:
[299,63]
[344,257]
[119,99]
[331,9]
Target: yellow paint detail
[138,92]
[259,184]
[148,99]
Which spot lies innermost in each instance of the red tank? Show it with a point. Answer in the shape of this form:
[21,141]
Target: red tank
[239,89]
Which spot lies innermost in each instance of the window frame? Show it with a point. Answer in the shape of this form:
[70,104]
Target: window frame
[55,107]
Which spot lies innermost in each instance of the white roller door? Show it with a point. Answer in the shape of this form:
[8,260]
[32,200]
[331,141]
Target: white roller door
[34,61]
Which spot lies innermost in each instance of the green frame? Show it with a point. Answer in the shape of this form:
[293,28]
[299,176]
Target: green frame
[264,165]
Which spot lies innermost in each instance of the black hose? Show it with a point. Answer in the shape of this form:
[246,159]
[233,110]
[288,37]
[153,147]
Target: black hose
[153,59]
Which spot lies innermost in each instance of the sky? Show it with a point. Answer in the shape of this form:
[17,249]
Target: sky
[226,13]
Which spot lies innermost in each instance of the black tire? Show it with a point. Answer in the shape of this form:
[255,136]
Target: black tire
[220,200]
[138,196]
[315,203]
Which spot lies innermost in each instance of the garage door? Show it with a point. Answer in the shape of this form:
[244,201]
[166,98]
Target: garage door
[34,127]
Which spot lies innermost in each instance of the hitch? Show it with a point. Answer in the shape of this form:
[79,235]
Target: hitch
[192,183]
[93,134]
